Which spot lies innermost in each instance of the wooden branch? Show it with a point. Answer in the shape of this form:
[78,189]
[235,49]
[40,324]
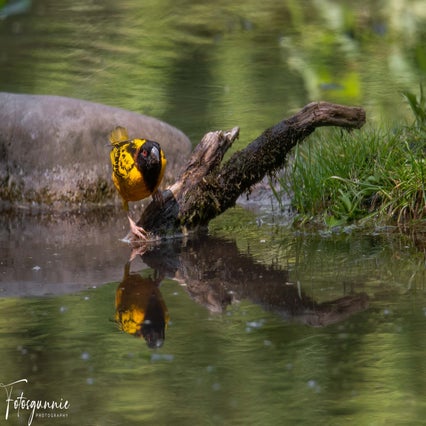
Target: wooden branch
[206,188]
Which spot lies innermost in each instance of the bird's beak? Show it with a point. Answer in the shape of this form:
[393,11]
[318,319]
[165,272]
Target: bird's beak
[155,155]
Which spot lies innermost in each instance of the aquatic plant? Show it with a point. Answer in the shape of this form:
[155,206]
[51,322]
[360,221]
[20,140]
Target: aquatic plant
[418,106]
[338,177]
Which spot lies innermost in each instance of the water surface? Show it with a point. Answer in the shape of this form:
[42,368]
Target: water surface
[255,323]
[297,328]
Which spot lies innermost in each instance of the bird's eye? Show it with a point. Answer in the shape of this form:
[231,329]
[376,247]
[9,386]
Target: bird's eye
[144,152]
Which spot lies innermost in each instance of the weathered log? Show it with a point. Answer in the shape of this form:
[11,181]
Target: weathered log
[206,188]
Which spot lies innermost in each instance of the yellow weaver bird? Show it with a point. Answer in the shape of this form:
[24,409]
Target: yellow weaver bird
[140,309]
[138,167]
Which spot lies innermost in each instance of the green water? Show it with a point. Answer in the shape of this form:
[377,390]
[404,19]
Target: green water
[203,66]
[245,367]
[249,338]
[266,325]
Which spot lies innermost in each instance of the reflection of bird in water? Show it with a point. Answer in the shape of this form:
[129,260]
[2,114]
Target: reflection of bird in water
[138,167]
[140,309]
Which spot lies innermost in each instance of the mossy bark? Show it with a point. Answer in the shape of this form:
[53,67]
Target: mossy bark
[206,187]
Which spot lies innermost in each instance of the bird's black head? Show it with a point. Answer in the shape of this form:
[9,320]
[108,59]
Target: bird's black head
[153,333]
[148,161]
[154,324]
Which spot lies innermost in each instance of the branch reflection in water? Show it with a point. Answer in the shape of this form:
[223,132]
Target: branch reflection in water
[216,274]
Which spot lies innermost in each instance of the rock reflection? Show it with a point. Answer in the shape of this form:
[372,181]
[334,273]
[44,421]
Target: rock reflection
[140,309]
[215,274]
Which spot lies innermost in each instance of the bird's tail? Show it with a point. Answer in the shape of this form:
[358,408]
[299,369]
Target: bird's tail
[118,135]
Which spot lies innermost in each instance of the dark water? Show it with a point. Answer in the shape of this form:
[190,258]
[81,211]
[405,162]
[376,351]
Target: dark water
[255,323]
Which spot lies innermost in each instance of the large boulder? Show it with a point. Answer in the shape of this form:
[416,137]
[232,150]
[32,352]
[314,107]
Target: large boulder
[54,151]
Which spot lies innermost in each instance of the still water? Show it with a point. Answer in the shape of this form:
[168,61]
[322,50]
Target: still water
[255,323]
[260,327]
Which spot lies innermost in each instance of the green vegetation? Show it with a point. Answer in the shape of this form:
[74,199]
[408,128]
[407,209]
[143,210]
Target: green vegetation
[205,67]
[379,175]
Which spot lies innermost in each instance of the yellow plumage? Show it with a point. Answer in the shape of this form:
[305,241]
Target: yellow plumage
[135,175]
[140,309]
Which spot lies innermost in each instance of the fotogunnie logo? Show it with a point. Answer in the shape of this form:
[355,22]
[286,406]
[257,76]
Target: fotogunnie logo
[17,403]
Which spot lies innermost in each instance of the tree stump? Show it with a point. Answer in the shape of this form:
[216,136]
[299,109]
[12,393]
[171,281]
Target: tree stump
[206,187]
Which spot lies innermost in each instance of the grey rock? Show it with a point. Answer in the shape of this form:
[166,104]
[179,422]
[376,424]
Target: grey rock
[54,151]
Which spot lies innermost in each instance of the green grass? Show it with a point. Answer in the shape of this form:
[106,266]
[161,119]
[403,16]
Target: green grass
[337,177]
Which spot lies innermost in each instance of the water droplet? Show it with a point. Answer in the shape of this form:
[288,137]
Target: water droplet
[255,324]
[36,268]
[312,384]
[23,350]
[162,357]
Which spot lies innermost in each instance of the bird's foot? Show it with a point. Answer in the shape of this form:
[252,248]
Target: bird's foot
[136,232]
[139,250]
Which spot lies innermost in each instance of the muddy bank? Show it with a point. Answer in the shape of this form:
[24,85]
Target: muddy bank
[54,151]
